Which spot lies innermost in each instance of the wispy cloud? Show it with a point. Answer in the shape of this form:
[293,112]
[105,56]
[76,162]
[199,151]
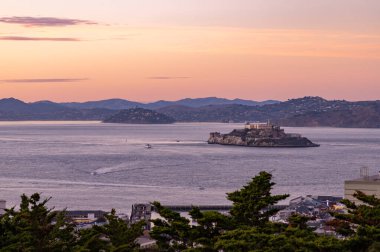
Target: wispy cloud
[168,77]
[45,21]
[55,80]
[21,38]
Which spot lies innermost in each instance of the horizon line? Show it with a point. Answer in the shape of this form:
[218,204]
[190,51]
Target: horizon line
[192,98]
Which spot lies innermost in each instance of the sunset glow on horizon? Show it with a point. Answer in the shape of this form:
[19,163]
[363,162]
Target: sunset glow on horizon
[152,50]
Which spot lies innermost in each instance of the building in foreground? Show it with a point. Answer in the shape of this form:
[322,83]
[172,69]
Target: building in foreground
[369,185]
[317,208]
[2,207]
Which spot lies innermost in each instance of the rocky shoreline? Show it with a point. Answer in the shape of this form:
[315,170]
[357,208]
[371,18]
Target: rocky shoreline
[254,136]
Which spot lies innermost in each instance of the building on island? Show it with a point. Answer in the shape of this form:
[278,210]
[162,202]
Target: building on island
[270,127]
[260,125]
[369,185]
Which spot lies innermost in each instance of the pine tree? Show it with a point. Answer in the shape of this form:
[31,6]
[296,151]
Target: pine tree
[252,204]
[116,235]
[35,227]
[361,223]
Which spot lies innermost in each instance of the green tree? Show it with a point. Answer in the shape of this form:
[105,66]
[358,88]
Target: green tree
[251,205]
[209,226]
[91,240]
[277,237]
[116,235]
[251,208]
[35,228]
[172,232]
[361,223]
[298,221]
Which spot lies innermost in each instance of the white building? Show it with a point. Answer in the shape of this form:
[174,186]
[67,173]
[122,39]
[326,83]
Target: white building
[369,185]
[259,125]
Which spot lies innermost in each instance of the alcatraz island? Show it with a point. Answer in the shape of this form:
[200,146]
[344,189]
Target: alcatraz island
[260,135]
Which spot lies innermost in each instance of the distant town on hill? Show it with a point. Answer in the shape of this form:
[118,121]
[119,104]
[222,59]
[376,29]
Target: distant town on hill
[306,111]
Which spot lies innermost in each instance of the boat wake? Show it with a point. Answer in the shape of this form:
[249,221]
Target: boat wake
[6,183]
[123,167]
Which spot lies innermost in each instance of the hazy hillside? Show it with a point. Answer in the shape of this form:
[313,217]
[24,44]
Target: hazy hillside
[307,111]
[356,116]
[13,109]
[118,104]
[200,102]
[214,113]
[139,116]
[115,104]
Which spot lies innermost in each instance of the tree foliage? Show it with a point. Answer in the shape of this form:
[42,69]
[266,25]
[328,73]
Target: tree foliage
[251,204]
[115,235]
[361,223]
[172,232]
[121,235]
[251,208]
[35,228]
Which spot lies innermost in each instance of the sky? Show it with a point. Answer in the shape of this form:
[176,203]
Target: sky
[148,50]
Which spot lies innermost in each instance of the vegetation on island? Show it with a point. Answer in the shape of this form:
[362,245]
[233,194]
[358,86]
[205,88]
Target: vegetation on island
[247,227]
[139,116]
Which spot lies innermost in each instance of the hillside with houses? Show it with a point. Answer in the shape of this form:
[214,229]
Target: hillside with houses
[300,112]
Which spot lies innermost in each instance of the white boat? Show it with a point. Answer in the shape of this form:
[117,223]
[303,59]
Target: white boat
[148,146]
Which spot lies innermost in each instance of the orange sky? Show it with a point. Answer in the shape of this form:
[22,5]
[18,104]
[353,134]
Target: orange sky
[81,53]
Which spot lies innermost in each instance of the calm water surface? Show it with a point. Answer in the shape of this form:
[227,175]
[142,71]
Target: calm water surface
[88,165]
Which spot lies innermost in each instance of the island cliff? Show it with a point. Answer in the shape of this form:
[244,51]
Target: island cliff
[260,135]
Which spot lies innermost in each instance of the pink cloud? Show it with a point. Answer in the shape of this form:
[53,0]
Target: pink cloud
[20,38]
[168,77]
[44,80]
[45,21]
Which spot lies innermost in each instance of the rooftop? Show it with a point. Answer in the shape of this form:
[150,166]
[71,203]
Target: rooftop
[373,178]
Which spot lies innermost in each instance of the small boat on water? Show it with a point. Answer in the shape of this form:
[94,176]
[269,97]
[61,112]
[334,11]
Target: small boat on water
[148,146]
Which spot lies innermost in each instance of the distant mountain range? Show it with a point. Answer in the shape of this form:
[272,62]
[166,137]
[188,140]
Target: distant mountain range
[307,111]
[15,110]
[119,104]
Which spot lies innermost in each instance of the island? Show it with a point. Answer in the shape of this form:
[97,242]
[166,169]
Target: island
[139,116]
[260,135]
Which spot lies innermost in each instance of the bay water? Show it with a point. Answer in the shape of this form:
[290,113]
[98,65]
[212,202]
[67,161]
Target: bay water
[91,165]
